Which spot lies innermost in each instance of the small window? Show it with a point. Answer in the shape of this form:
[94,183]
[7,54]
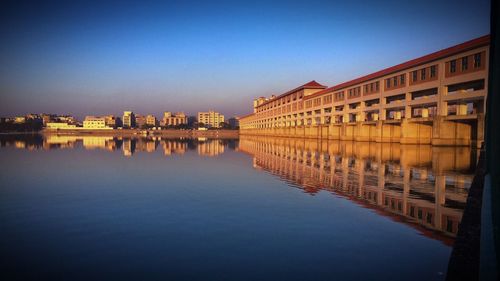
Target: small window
[477,60]
[453,66]
[376,86]
[433,71]
[465,63]
[402,79]
[414,76]
[387,83]
[395,81]
[422,74]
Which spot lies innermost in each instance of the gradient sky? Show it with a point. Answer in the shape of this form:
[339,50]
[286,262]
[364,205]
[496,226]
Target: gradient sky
[85,58]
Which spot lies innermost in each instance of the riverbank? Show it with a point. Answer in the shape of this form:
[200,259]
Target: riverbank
[158,133]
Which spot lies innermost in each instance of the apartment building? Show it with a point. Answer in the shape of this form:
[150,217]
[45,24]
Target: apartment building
[128,119]
[94,122]
[151,120]
[210,119]
[140,121]
[176,119]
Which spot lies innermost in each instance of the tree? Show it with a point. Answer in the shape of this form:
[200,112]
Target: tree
[224,125]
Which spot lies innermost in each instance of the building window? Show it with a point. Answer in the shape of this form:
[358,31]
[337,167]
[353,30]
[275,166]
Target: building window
[395,81]
[433,71]
[414,76]
[376,86]
[387,83]
[453,66]
[402,79]
[465,63]
[477,60]
[422,74]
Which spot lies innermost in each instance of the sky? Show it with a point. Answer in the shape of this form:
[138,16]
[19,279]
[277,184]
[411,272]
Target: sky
[95,58]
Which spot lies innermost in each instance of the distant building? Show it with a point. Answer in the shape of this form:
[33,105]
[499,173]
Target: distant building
[19,119]
[140,120]
[151,120]
[47,118]
[93,122]
[210,147]
[234,122]
[176,119]
[60,125]
[67,119]
[113,121]
[210,119]
[128,119]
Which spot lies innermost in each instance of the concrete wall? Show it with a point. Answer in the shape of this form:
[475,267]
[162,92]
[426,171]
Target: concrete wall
[437,131]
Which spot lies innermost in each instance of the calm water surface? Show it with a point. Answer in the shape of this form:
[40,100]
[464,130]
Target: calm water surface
[102,208]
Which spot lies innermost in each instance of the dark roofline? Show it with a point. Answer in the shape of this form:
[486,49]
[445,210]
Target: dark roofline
[466,46]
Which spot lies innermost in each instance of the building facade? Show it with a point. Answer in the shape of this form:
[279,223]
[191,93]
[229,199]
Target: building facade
[151,121]
[60,126]
[113,121]
[93,122]
[436,99]
[210,119]
[128,119]
[176,119]
[140,121]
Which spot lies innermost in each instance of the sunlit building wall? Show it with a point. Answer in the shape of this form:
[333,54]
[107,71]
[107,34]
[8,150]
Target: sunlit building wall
[210,119]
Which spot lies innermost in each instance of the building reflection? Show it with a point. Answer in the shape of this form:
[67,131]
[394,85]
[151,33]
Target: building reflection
[210,147]
[423,186]
[174,147]
[127,145]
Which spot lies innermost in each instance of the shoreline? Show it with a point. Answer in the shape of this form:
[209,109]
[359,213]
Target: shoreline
[145,133]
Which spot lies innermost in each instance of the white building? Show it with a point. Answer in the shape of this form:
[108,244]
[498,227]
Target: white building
[93,122]
[210,119]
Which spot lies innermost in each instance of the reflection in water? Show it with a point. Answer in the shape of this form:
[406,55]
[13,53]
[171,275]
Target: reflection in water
[129,146]
[167,208]
[423,186]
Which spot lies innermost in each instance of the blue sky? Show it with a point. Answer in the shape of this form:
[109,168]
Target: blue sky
[81,57]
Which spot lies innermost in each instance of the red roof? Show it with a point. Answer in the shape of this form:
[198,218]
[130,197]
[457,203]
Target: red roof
[309,85]
[472,44]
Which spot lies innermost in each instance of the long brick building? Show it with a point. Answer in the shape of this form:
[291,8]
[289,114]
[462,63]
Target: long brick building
[436,99]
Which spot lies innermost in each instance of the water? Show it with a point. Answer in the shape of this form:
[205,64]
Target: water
[102,208]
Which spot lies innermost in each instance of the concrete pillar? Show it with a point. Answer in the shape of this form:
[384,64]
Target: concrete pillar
[442,106]
[346,118]
[407,107]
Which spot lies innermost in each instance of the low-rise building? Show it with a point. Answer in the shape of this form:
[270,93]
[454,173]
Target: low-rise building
[128,119]
[176,119]
[94,122]
[210,119]
[113,121]
[140,121]
[151,120]
[19,119]
[60,126]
